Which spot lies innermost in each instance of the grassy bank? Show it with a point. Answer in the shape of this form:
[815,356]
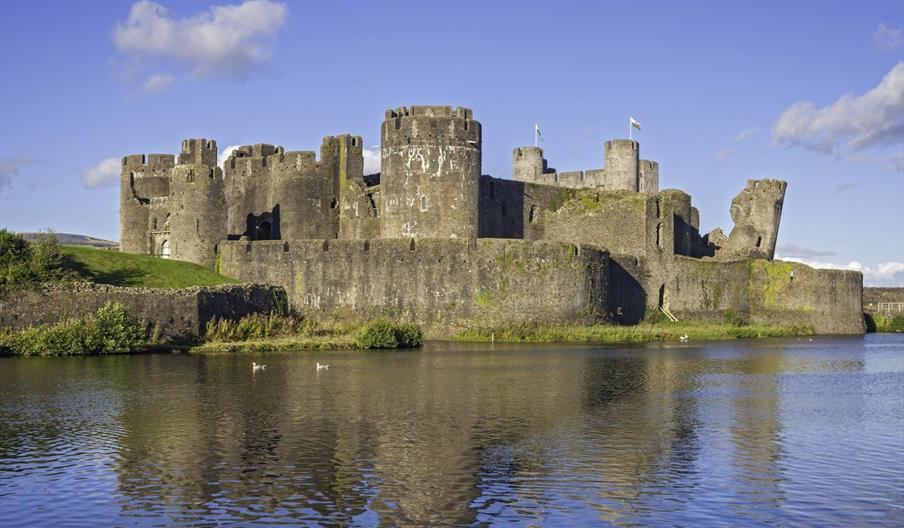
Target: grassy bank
[256,333]
[645,332]
[880,323]
[123,269]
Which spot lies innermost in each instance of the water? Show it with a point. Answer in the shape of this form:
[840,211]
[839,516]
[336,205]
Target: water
[765,432]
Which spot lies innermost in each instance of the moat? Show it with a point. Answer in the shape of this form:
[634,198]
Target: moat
[752,432]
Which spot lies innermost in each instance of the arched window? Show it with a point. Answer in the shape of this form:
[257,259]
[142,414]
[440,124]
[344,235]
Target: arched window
[164,249]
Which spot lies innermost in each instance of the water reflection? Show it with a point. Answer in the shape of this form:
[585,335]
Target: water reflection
[452,435]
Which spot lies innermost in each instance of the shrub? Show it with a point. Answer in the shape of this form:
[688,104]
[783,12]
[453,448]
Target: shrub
[386,334]
[880,323]
[379,334]
[117,330]
[23,262]
[110,330]
[409,335]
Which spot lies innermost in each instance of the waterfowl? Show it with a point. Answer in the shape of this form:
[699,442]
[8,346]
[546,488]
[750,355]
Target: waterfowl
[255,367]
[322,366]
[683,338]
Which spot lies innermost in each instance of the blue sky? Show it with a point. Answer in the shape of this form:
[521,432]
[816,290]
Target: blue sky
[809,92]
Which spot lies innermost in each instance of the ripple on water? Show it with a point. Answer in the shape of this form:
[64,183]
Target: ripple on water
[760,432]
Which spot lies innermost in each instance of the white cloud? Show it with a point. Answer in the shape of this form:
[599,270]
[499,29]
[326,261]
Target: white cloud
[103,174]
[792,250]
[744,134]
[372,160]
[888,39]
[158,83]
[845,187]
[873,119]
[225,40]
[10,167]
[225,153]
[884,274]
[724,154]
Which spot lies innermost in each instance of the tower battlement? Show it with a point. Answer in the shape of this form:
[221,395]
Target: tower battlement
[198,151]
[430,111]
[438,125]
[146,163]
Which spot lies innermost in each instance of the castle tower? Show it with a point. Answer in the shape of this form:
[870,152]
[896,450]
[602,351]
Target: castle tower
[528,165]
[198,204]
[141,179]
[431,161]
[622,160]
[248,181]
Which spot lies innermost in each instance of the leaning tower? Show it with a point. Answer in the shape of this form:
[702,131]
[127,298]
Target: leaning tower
[431,160]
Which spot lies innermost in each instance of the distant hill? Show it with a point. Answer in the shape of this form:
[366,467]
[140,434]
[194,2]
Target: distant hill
[70,239]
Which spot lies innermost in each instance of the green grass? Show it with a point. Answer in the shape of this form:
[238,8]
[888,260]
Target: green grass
[123,269]
[881,323]
[279,344]
[644,332]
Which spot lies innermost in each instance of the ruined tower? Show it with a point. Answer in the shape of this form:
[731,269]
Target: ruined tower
[756,212]
[197,203]
[143,180]
[431,161]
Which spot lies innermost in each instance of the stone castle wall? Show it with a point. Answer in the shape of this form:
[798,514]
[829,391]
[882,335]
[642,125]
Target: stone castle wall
[175,314]
[774,292]
[443,284]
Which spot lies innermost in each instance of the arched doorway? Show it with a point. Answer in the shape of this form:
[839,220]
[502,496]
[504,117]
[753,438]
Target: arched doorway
[164,249]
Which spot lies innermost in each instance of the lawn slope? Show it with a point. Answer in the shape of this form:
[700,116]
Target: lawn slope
[123,269]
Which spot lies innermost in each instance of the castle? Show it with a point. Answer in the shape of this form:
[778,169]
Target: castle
[432,239]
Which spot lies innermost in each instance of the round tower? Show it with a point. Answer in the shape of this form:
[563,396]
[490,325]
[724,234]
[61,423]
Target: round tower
[431,161]
[622,158]
[528,164]
[198,205]
[140,179]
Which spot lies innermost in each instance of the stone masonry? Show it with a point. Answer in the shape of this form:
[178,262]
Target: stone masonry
[431,239]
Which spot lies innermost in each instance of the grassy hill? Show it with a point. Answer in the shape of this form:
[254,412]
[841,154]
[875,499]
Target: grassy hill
[123,269]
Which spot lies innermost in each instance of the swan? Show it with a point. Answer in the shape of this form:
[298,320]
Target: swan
[683,338]
[321,366]
[255,367]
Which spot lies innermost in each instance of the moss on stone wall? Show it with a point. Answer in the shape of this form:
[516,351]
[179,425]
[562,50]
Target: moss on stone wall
[776,275]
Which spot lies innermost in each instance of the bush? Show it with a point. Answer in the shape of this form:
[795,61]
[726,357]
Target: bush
[881,323]
[385,334]
[110,330]
[23,262]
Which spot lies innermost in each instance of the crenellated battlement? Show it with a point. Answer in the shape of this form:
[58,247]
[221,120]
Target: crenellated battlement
[199,151]
[431,125]
[430,111]
[146,163]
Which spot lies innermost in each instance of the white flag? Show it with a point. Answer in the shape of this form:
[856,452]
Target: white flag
[537,130]
[635,123]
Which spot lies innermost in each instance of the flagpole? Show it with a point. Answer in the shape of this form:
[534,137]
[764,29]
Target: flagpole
[630,130]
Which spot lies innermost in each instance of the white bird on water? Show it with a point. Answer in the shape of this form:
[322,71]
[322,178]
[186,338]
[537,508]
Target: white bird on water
[255,367]
[321,366]
[683,338]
